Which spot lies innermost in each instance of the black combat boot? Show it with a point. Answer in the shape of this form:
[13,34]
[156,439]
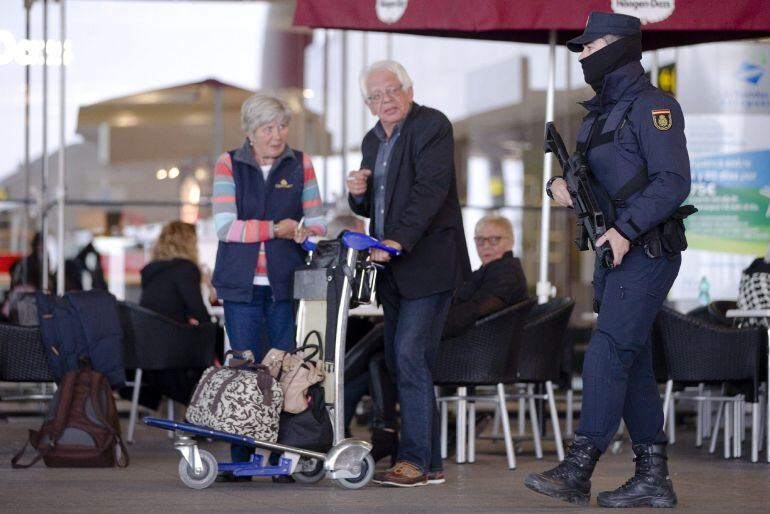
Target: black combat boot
[649,487]
[571,480]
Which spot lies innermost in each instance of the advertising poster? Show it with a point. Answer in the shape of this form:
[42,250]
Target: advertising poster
[724,90]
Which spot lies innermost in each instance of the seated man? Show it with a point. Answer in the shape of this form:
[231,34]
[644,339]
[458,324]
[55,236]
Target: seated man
[497,284]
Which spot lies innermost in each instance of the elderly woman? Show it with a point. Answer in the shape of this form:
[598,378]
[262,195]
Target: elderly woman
[262,191]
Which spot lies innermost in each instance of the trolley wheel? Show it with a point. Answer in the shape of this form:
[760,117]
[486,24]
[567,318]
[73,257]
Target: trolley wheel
[363,478]
[205,478]
[309,471]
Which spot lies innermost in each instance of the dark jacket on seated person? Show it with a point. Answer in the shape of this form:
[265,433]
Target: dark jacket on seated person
[173,288]
[491,288]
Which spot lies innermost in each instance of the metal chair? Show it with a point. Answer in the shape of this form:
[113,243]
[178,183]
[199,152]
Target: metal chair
[23,359]
[539,362]
[697,352]
[482,355]
[154,342]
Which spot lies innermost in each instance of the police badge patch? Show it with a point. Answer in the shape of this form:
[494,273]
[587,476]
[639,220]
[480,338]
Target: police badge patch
[661,118]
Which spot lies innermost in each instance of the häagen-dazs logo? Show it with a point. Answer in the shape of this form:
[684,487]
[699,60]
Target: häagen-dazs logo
[390,11]
[649,11]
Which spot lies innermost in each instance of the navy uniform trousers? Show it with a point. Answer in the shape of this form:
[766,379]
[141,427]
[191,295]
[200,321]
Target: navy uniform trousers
[618,378]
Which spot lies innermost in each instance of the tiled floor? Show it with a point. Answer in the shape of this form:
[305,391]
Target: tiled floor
[705,484]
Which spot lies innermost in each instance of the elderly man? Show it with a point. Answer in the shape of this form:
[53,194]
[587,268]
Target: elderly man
[406,186]
[498,283]
[633,138]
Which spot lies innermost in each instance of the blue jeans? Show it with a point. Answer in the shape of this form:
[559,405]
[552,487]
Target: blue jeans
[246,323]
[413,328]
[618,379]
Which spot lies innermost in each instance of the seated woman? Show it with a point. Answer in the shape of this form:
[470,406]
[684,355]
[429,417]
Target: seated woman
[171,286]
[497,284]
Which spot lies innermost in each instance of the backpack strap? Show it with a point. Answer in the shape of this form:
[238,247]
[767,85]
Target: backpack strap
[100,383]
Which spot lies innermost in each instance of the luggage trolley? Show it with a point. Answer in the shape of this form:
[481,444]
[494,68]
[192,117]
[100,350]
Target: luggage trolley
[337,277]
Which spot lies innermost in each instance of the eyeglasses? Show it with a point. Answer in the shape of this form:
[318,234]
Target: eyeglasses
[379,96]
[492,241]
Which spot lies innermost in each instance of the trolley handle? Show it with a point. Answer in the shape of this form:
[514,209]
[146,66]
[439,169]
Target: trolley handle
[362,242]
[356,241]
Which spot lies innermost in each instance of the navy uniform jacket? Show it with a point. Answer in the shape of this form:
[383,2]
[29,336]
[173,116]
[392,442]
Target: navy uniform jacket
[642,127]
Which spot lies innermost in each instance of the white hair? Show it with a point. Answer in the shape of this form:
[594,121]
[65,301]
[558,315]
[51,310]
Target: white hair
[261,109]
[611,38]
[391,66]
[498,221]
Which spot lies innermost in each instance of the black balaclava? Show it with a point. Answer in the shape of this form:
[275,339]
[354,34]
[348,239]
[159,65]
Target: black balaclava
[602,62]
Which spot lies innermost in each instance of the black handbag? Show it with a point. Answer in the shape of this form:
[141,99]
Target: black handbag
[311,429]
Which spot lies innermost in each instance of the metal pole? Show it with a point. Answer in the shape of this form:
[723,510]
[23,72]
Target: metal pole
[544,288]
[218,140]
[655,68]
[344,111]
[364,62]
[27,171]
[325,183]
[62,150]
[44,153]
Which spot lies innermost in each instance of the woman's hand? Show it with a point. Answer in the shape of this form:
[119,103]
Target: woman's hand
[561,193]
[302,233]
[285,229]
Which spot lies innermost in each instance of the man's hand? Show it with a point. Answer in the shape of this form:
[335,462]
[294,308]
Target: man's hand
[561,193]
[357,181]
[378,255]
[285,229]
[619,244]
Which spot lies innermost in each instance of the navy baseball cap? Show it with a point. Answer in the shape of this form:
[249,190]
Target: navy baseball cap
[603,23]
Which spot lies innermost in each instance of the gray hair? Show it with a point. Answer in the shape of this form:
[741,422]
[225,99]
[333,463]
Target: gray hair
[500,222]
[392,66]
[261,109]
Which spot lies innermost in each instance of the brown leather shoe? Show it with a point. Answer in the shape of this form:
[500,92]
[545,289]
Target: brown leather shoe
[402,474]
[436,477]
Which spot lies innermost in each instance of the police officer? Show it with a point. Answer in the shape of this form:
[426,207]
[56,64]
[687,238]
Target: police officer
[633,136]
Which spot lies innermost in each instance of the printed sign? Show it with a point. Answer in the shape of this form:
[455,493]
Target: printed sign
[649,11]
[390,11]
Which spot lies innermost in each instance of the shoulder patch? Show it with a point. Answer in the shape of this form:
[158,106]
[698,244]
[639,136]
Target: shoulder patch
[661,119]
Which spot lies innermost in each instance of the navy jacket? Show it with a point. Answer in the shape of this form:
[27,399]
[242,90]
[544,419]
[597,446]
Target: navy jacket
[422,210]
[236,263]
[643,128]
[82,324]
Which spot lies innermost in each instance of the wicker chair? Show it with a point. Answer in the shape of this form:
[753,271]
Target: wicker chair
[539,361]
[479,356]
[154,342]
[701,352]
[23,359]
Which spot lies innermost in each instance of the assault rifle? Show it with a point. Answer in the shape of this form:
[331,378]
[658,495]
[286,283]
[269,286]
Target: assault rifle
[591,223]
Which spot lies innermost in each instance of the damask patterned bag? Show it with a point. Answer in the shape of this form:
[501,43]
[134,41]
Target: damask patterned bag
[242,398]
